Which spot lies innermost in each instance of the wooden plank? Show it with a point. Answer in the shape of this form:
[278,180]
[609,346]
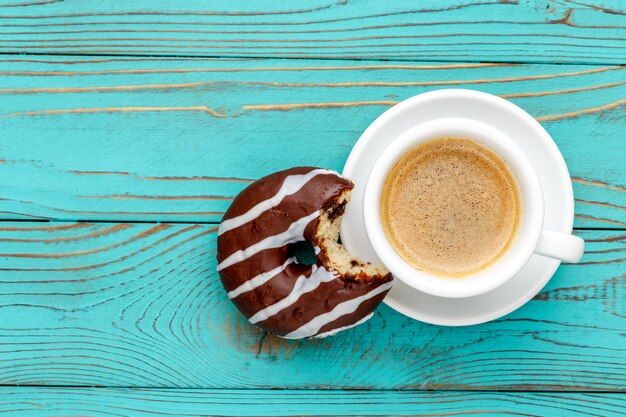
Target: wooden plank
[93,402]
[450,30]
[141,305]
[176,139]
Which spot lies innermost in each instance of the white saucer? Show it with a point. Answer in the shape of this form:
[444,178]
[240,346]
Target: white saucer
[529,136]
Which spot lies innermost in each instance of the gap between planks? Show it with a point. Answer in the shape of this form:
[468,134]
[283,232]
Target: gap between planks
[330,59]
[278,389]
[215,223]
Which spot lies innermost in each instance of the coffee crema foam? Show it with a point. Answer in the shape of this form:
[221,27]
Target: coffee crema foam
[450,207]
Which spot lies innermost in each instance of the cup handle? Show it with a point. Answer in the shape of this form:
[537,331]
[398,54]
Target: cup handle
[562,246]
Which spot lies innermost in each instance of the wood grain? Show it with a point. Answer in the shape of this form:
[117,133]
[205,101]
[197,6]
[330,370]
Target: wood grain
[451,30]
[140,305]
[176,139]
[96,402]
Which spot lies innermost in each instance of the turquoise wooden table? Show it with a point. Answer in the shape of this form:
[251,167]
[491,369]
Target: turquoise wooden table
[126,128]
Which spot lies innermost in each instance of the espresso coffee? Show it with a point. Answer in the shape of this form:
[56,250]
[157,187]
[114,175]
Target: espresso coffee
[450,207]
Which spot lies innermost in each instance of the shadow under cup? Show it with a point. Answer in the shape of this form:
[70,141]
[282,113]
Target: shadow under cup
[531,206]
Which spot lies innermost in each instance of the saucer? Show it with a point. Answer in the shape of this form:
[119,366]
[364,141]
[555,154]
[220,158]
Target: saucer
[533,140]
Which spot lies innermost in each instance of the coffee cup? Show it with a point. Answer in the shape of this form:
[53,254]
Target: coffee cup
[530,238]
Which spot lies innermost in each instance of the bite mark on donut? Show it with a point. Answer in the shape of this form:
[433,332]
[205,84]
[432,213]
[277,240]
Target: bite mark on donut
[335,256]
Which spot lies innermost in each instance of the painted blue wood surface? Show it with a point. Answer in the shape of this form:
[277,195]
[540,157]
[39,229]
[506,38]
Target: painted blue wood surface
[145,133]
[451,30]
[140,305]
[175,140]
[178,403]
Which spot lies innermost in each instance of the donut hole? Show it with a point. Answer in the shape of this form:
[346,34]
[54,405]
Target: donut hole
[336,256]
[303,251]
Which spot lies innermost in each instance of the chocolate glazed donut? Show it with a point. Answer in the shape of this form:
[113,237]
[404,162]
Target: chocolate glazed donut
[268,285]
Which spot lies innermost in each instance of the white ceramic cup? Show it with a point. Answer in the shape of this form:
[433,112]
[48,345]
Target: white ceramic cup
[531,238]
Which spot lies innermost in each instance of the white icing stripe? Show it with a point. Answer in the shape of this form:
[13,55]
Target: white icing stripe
[259,279]
[293,234]
[341,329]
[303,285]
[341,309]
[291,185]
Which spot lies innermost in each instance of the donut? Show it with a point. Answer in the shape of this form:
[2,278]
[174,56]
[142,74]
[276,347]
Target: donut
[268,283]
